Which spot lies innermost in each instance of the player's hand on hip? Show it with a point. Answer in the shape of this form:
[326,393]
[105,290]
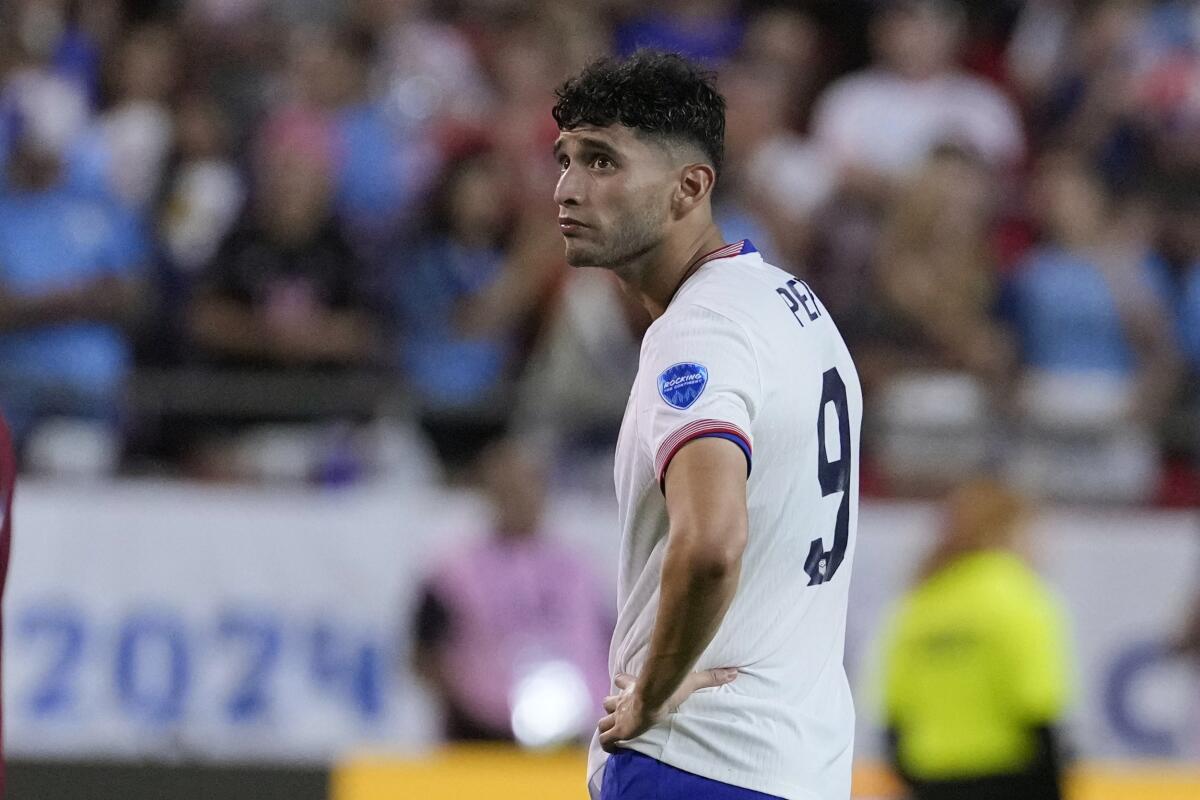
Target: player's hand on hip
[628,716]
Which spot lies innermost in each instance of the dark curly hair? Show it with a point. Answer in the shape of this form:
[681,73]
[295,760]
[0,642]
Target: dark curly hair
[660,94]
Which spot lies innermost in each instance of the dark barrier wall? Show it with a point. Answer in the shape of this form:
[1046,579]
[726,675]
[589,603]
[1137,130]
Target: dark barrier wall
[50,780]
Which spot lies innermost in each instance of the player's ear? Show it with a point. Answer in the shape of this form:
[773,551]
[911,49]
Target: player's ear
[695,185]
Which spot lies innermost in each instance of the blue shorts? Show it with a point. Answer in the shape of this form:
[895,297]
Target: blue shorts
[629,775]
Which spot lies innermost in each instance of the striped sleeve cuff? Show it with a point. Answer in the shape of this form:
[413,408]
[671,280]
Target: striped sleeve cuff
[696,430]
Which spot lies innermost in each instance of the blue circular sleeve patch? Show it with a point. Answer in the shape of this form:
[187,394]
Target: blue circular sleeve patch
[681,384]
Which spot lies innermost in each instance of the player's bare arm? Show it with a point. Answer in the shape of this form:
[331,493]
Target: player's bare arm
[706,502]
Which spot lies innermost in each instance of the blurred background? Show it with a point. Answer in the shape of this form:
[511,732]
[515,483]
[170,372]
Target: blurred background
[316,427]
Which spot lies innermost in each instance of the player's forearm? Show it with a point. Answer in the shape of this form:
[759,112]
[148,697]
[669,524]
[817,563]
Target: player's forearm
[508,300]
[229,328]
[110,300]
[19,313]
[697,589]
[528,272]
[347,337]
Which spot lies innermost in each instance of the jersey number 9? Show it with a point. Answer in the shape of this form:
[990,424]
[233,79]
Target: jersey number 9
[822,564]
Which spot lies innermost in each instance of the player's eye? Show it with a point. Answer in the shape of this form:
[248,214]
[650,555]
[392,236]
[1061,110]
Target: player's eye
[563,163]
[602,162]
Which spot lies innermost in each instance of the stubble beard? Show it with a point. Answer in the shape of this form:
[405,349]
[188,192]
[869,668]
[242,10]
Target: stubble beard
[635,234]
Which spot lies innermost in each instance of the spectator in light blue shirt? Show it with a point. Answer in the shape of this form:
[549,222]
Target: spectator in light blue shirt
[1069,316]
[1100,354]
[459,378]
[68,283]
[464,296]
[1091,299]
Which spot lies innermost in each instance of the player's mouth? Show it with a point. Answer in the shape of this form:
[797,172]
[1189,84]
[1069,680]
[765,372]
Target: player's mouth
[569,225]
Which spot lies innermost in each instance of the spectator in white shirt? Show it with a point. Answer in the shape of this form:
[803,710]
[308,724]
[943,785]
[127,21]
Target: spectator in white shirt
[880,124]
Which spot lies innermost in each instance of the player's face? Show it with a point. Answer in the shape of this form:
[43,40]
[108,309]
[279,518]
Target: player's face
[614,195]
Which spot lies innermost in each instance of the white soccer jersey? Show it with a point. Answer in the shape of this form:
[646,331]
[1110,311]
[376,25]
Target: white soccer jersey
[745,351]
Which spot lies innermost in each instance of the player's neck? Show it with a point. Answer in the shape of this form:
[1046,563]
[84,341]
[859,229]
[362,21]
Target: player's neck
[656,280]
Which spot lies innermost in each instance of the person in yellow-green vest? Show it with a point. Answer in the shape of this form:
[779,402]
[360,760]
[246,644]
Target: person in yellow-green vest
[975,666]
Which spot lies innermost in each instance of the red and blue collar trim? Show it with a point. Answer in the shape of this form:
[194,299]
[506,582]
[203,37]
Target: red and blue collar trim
[728,251]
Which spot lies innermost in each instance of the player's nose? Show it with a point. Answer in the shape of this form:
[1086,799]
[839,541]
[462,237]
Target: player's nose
[569,191]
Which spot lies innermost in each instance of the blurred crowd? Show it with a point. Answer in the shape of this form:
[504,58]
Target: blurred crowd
[254,238]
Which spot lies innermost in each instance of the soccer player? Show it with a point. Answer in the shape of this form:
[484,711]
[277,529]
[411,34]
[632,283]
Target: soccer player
[8,478]
[736,466]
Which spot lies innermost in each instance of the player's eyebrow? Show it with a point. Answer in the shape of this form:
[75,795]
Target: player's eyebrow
[587,142]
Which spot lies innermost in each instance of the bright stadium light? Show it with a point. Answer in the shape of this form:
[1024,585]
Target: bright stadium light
[549,705]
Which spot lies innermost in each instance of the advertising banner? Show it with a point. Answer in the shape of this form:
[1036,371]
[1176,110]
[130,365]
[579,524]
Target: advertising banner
[171,621]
